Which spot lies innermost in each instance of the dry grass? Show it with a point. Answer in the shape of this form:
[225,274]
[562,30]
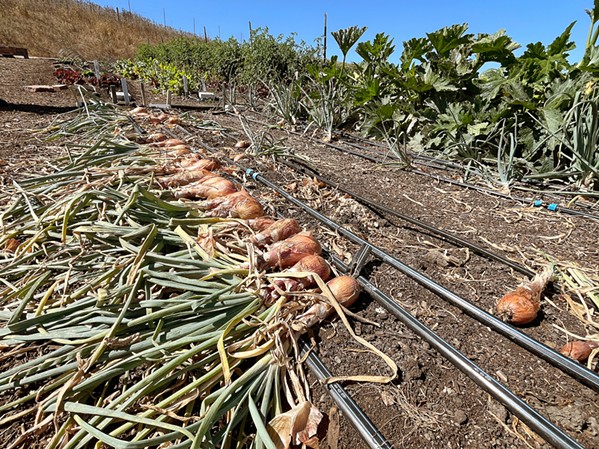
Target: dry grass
[70,27]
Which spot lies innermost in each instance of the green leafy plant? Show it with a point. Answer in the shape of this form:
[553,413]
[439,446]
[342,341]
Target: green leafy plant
[346,38]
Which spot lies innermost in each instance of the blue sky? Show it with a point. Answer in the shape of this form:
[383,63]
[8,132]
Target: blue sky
[524,20]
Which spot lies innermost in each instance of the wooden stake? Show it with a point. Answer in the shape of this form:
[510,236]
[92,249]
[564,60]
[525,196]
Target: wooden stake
[185,86]
[125,90]
[168,97]
[143,95]
[113,94]
[325,37]
[97,70]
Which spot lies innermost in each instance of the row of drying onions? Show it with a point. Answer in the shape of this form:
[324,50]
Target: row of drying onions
[282,244]
[288,247]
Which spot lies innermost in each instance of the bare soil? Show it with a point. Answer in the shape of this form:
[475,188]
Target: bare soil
[431,404]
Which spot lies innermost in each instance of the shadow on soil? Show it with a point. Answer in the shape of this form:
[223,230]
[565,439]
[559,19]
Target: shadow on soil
[34,108]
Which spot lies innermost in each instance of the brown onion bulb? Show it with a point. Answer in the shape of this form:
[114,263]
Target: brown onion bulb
[183,178]
[346,291]
[208,187]
[206,164]
[260,224]
[313,264]
[290,251]
[178,150]
[242,144]
[279,230]
[169,143]
[519,307]
[236,205]
[579,350]
[156,137]
[138,110]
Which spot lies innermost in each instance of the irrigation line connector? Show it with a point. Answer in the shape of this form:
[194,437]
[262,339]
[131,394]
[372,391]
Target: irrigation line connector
[360,259]
[252,173]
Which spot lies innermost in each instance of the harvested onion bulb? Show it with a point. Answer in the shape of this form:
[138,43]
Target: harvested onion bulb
[169,143]
[260,224]
[178,150]
[579,350]
[207,187]
[290,251]
[312,264]
[236,205]
[183,178]
[309,264]
[279,230]
[346,291]
[138,110]
[156,137]
[522,305]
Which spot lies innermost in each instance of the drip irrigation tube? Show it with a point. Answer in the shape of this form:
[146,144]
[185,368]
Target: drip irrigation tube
[567,365]
[452,165]
[445,235]
[367,430]
[513,403]
[564,210]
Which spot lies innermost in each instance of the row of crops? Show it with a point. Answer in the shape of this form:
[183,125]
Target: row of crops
[507,113]
[156,303]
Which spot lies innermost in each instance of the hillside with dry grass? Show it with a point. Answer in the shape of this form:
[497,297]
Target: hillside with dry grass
[71,27]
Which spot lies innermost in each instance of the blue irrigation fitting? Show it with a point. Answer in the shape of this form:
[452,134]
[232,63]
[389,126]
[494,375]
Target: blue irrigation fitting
[552,207]
[251,172]
[538,203]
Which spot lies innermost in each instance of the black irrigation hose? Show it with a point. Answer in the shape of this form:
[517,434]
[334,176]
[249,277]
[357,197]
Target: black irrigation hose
[513,403]
[567,365]
[537,422]
[376,160]
[564,210]
[367,430]
[449,164]
[443,234]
